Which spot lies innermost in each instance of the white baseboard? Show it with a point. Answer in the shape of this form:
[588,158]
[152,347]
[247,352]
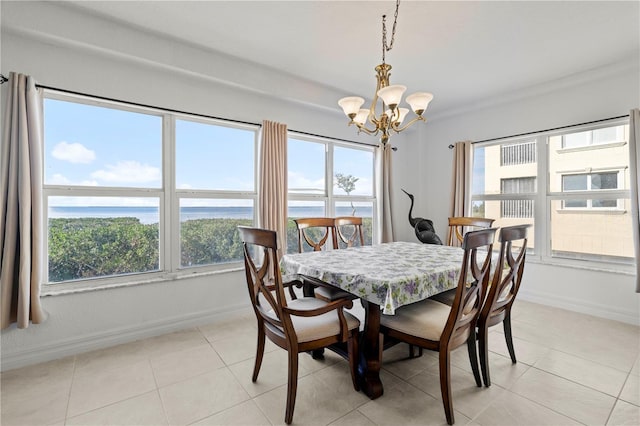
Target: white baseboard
[77,345]
[582,306]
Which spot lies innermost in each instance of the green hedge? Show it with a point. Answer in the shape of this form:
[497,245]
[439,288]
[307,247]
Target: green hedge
[96,247]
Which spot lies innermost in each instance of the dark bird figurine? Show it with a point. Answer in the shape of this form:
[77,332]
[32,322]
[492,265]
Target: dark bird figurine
[412,220]
[426,233]
[423,228]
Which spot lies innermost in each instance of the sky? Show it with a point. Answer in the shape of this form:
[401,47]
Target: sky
[89,145]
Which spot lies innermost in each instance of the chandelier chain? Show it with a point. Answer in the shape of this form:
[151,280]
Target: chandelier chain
[385,47]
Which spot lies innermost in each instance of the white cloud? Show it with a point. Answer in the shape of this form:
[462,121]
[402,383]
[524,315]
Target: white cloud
[59,179]
[298,182]
[128,171]
[73,153]
[185,186]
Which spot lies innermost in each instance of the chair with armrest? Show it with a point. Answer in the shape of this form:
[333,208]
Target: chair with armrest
[294,324]
[435,326]
[319,233]
[502,292]
[461,224]
[343,226]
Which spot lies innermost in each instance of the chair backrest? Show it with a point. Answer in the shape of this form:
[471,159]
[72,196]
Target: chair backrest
[344,225]
[461,224]
[472,285]
[263,274]
[507,275]
[315,231]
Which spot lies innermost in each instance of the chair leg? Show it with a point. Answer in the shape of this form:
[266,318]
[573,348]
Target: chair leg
[507,335]
[352,346]
[445,384]
[473,356]
[483,346]
[259,352]
[411,353]
[292,386]
[317,354]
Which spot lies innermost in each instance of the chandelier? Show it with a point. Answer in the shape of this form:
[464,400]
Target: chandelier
[391,116]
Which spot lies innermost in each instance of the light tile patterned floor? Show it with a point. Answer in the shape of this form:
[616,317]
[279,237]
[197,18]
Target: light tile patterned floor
[572,369]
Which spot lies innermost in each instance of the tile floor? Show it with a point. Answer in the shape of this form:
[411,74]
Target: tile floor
[572,369]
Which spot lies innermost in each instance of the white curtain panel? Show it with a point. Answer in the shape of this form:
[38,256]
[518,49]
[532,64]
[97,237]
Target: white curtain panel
[461,181]
[272,206]
[384,185]
[634,162]
[21,215]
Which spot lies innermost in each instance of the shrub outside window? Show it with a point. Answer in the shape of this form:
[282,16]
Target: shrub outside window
[134,193]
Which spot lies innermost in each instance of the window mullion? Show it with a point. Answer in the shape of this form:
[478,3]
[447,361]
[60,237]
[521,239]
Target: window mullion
[169,218]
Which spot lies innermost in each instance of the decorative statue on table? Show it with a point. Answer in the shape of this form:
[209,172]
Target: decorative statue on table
[423,227]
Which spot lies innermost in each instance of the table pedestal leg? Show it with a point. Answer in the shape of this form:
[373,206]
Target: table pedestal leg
[371,352]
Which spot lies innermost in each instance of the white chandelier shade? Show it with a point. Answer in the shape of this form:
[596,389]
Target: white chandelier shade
[390,95]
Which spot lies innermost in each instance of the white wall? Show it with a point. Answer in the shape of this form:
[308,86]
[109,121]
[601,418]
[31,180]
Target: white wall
[592,95]
[62,48]
[66,49]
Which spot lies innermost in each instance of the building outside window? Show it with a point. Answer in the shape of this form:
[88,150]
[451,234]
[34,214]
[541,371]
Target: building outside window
[577,197]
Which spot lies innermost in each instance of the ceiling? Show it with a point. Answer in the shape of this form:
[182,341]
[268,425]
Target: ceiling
[462,52]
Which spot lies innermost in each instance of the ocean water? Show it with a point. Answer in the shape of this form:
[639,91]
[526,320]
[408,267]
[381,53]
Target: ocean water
[152,214]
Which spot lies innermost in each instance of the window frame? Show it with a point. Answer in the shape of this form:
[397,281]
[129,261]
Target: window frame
[328,197]
[544,198]
[589,201]
[168,195]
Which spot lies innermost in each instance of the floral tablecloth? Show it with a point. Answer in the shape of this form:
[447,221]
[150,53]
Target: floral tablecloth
[390,275]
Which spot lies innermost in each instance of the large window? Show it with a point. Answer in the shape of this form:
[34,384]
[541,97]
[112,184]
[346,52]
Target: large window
[326,178]
[577,197]
[131,190]
[215,190]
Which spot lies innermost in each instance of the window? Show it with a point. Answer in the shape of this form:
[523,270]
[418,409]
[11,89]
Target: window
[215,189]
[590,182]
[606,135]
[518,153]
[328,178]
[133,190]
[577,198]
[517,208]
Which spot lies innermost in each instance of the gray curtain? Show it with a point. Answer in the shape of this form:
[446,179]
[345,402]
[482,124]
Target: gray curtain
[634,162]
[461,181]
[384,172]
[21,215]
[272,206]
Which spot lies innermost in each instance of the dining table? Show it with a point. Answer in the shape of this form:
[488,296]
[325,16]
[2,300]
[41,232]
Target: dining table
[385,277]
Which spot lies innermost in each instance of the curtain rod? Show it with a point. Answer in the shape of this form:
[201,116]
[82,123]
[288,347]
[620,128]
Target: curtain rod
[4,79]
[451,146]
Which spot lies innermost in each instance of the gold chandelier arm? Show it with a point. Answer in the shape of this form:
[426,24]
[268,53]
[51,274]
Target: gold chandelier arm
[400,129]
[367,131]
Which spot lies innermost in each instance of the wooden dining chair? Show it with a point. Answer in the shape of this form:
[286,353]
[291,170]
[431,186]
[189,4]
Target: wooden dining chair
[461,224]
[502,292]
[294,324]
[435,326]
[316,233]
[319,233]
[349,231]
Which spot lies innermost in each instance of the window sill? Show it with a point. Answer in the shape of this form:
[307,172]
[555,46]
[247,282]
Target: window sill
[591,147]
[588,265]
[591,211]
[134,280]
